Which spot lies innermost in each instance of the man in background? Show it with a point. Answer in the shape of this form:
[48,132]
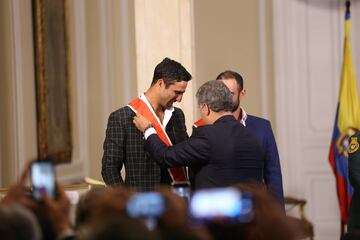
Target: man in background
[261,128]
[124,144]
[354,177]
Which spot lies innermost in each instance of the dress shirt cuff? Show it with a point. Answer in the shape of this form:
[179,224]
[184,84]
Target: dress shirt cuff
[149,132]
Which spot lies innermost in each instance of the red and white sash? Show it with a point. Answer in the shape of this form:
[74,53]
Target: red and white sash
[177,174]
[199,123]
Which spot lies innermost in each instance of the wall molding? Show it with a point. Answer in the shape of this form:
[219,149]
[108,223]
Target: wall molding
[18,87]
[187,58]
[124,28]
[106,64]
[263,59]
[306,72]
[79,77]
[280,76]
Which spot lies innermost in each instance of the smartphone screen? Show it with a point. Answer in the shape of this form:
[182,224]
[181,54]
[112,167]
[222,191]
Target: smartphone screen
[221,204]
[43,179]
[182,189]
[147,204]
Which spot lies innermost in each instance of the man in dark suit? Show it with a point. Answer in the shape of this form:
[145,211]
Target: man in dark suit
[221,153]
[262,129]
[124,144]
[354,176]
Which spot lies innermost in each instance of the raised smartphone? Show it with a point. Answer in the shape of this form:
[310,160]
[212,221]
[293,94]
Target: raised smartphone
[43,179]
[220,204]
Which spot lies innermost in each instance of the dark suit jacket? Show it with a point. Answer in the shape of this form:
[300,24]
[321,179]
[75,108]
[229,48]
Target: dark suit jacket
[124,145]
[272,171]
[354,177]
[221,154]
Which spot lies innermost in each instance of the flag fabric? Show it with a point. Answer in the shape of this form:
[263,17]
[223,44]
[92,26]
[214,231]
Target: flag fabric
[347,121]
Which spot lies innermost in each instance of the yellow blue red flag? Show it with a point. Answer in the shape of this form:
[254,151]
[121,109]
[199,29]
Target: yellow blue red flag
[347,121]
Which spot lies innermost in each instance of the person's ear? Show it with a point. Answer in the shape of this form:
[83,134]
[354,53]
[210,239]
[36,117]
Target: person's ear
[208,110]
[242,93]
[161,83]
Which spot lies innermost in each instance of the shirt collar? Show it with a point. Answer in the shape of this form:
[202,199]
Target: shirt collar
[167,113]
[243,117]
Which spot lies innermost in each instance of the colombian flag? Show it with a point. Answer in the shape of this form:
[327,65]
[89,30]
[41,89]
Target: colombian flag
[347,120]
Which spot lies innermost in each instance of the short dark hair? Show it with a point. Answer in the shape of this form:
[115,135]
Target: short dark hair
[170,71]
[228,74]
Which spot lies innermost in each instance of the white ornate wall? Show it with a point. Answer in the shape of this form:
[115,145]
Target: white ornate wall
[308,40]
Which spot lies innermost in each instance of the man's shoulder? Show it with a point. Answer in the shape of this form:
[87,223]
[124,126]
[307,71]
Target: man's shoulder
[203,130]
[178,113]
[122,114]
[259,125]
[125,110]
[178,110]
[256,119]
[222,125]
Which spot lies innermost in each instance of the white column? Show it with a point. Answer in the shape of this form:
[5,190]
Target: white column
[164,29]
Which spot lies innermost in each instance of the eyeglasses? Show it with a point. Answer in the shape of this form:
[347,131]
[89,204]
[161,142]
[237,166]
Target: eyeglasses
[201,106]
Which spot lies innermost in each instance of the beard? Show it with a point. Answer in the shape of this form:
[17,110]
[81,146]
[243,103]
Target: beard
[169,104]
[236,105]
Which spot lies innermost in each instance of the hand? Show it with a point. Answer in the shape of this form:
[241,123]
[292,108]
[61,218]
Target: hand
[176,209]
[19,192]
[58,210]
[141,122]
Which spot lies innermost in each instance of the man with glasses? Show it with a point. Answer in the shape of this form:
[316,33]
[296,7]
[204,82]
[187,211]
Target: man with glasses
[221,153]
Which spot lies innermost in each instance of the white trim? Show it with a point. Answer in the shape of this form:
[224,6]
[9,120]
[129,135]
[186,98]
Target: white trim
[19,137]
[75,165]
[186,49]
[280,76]
[73,177]
[105,63]
[141,40]
[81,81]
[79,60]
[193,62]
[125,30]
[263,58]
[299,28]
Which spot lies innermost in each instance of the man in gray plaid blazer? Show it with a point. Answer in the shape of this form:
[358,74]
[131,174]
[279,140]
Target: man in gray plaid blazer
[124,144]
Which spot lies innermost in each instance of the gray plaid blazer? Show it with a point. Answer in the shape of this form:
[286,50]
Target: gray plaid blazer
[124,145]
